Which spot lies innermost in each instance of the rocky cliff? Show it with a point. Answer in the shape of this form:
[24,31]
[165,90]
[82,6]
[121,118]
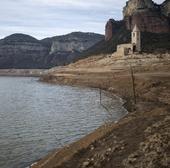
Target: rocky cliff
[134,5]
[112,27]
[165,8]
[149,16]
[74,42]
[69,48]
[23,51]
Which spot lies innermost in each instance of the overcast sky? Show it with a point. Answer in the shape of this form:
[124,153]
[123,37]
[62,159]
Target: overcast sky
[45,18]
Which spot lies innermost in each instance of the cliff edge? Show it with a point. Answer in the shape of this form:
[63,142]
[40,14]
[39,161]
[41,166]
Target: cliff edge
[149,16]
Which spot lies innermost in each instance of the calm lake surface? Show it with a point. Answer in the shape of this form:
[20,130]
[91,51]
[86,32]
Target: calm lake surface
[36,118]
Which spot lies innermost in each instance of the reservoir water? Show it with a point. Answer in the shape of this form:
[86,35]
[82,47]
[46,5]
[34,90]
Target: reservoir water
[36,118]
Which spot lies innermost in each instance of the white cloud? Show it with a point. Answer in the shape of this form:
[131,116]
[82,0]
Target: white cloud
[79,3]
[43,18]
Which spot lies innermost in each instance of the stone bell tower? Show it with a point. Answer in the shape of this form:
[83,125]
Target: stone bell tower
[136,39]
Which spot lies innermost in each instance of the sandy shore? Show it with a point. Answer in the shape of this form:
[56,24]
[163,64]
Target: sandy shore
[141,139]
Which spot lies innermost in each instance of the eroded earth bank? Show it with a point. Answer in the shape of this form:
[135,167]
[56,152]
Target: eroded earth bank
[140,139]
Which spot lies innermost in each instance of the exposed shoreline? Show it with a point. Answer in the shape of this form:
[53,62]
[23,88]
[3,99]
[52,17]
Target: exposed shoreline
[81,144]
[22,72]
[152,108]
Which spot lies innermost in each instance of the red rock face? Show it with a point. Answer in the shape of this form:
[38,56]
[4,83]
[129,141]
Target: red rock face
[149,17]
[109,30]
[148,21]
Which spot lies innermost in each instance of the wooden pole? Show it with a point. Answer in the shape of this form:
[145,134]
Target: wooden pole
[133,83]
[100,96]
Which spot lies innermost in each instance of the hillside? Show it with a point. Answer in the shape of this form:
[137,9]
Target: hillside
[140,139]
[69,48]
[22,51]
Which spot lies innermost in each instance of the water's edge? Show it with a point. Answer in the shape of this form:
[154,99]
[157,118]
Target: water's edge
[87,140]
[22,72]
[81,107]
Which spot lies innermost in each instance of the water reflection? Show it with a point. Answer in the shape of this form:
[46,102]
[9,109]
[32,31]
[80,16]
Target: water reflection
[36,118]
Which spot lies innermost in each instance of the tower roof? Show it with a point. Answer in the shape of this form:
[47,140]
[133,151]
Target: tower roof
[135,28]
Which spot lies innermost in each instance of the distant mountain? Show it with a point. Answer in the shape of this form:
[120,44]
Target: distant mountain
[68,48]
[24,51]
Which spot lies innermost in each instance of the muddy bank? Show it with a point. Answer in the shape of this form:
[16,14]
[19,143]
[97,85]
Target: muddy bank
[138,140]
[22,72]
